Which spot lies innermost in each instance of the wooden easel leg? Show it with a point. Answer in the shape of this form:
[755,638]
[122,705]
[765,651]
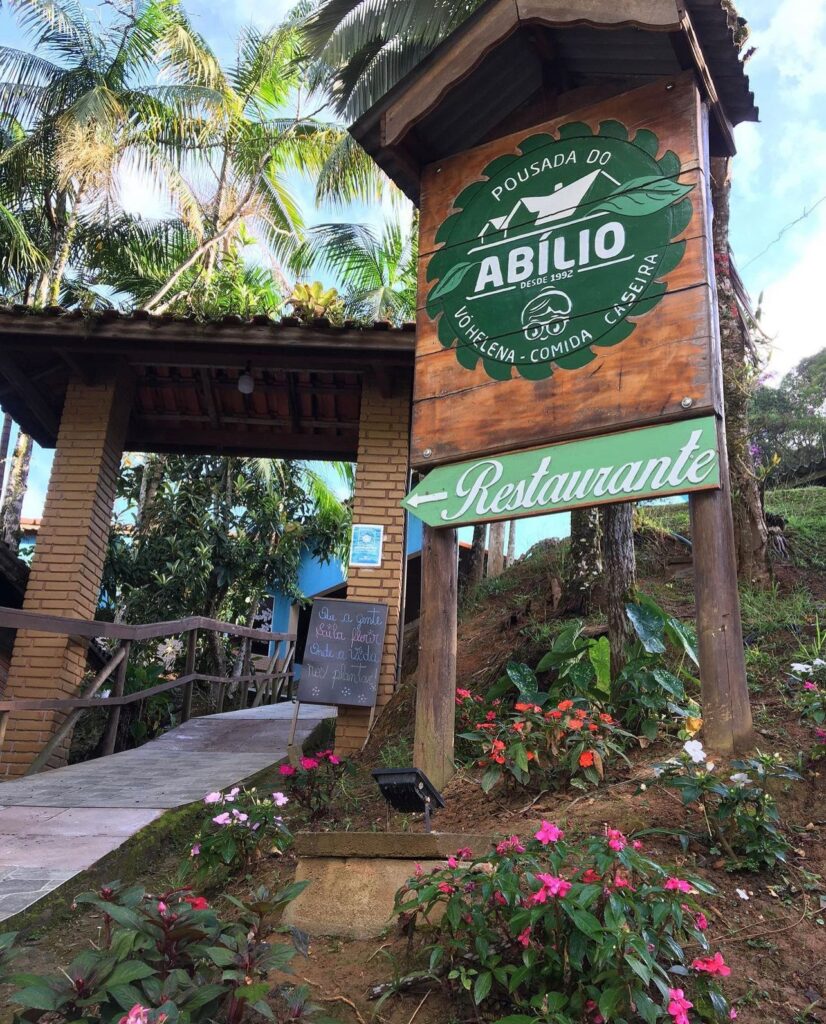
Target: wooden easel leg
[293,751]
[436,691]
[727,724]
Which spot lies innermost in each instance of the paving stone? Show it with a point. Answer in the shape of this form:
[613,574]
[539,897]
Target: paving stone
[58,823]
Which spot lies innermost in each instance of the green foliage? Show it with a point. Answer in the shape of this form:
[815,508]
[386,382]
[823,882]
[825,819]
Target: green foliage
[211,532]
[559,931]
[539,748]
[238,825]
[162,957]
[396,753]
[741,816]
[316,783]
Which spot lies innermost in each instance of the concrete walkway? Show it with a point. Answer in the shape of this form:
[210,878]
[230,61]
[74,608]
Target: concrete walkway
[59,823]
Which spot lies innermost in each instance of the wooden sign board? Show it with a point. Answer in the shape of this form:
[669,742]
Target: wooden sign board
[564,280]
[342,657]
[649,462]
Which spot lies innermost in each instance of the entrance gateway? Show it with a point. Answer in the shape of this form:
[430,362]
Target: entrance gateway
[567,349]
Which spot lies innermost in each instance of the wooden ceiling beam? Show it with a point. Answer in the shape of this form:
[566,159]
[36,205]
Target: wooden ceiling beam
[209,398]
[21,383]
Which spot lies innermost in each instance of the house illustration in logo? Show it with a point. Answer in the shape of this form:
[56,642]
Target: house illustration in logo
[541,210]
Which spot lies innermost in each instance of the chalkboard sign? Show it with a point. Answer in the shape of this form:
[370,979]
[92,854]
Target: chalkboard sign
[342,658]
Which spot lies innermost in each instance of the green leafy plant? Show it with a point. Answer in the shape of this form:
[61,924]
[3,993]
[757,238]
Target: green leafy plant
[532,746]
[239,825]
[315,780]
[566,932]
[740,814]
[166,957]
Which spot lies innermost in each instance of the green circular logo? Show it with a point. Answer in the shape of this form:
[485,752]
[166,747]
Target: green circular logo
[559,248]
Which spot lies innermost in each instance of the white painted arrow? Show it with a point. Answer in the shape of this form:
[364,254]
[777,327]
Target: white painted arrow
[423,499]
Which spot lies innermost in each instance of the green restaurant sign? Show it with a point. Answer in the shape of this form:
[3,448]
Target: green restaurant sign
[650,462]
[556,248]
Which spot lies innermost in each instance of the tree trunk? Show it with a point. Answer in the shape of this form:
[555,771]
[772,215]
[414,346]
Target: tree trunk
[511,556]
[584,562]
[496,549]
[477,557]
[5,437]
[620,576]
[16,491]
[751,537]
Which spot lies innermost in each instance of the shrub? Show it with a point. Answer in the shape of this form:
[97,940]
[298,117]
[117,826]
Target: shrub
[567,932]
[165,957]
[740,813]
[238,825]
[313,782]
[569,743]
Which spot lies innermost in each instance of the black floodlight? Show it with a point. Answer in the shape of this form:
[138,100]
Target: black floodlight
[408,790]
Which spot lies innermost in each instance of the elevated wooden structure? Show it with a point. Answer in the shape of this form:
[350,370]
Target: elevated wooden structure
[96,385]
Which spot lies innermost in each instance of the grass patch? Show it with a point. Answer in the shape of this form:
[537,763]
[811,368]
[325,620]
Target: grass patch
[804,509]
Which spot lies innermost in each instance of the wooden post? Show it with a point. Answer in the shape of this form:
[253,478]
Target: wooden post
[727,724]
[191,648]
[111,735]
[496,549]
[436,693]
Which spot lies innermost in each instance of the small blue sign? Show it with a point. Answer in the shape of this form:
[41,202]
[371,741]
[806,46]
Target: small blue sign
[365,550]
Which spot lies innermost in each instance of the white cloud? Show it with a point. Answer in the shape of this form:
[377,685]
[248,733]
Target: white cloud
[793,304]
[792,43]
[749,140]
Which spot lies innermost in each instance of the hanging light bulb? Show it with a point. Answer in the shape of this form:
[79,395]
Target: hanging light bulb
[246,381]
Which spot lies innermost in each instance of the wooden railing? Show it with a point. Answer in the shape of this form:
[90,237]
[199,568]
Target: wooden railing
[268,686]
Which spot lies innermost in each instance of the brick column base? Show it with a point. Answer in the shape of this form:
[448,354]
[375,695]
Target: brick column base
[68,561]
[381,483]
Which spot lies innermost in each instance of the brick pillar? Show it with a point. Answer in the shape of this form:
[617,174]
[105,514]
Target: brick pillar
[68,561]
[381,483]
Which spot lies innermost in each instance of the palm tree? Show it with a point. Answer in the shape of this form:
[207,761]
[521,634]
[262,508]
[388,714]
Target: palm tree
[370,44]
[16,491]
[87,105]
[378,271]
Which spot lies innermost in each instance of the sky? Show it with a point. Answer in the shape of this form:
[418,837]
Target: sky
[779,177]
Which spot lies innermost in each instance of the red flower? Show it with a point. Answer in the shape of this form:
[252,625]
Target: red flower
[586,759]
[713,965]
[498,745]
[554,714]
[592,727]
[196,902]
[565,705]
[590,877]
[580,713]
[574,723]
[605,718]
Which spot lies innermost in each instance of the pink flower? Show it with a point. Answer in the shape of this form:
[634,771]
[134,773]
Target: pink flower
[161,907]
[701,921]
[548,833]
[637,844]
[732,1014]
[524,938]
[280,800]
[821,735]
[551,886]
[239,815]
[461,695]
[195,851]
[210,798]
[222,819]
[678,1005]
[452,862]
[809,685]
[417,870]
[137,1015]
[513,844]
[616,840]
[622,883]
[286,769]
[713,965]
[308,763]
[499,898]
[593,1011]
[464,853]
[446,888]
[333,759]
[196,902]
[678,885]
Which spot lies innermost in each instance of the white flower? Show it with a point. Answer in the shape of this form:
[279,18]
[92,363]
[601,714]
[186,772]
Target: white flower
[742,894]
[818,662]
[801,668]
[740,779]
[643,787]
[709,766]
[694,749]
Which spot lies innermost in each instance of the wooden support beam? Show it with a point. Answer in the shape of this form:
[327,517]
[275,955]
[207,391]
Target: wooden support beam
[209,398]
[436,688]
[292,401]
[727,723]
[42,412]
[191,651]
[111,734]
